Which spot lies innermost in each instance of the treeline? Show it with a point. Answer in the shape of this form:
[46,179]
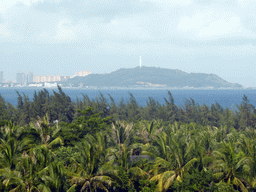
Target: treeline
[60,107]
[96,154]
[98,146]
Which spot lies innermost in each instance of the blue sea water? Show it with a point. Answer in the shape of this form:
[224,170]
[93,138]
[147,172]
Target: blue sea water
[226,98]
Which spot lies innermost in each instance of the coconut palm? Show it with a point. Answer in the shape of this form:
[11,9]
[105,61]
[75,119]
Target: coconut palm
[46,133]
[122,133]
[54,178]
[123,151]
[171,162]
[91,171]
[248,146]
[11,180]
[228,166]
[9,152]
[37,153]
[148,131]
[10,144]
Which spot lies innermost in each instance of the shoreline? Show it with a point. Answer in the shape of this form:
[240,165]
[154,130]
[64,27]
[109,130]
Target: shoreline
[131,88]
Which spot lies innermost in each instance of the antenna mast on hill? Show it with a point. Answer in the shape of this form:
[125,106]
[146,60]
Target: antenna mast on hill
[140,61]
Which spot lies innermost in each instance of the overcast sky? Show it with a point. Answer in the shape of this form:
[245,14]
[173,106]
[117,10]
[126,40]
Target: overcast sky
[61,37]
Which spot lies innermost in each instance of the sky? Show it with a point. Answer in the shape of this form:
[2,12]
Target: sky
[61,37]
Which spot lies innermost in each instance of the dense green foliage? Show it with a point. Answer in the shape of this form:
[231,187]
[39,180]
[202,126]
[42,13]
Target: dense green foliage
[97,146]
[129,77]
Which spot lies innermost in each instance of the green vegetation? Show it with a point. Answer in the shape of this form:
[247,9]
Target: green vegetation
[97,146]
[132,76]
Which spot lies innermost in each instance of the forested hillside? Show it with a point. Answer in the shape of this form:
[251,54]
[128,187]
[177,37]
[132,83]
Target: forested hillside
[170,77]
[100,146]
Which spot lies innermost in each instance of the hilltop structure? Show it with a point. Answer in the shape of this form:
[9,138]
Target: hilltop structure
[140,61]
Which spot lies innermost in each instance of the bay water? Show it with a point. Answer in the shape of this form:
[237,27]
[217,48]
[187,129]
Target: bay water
[226,98]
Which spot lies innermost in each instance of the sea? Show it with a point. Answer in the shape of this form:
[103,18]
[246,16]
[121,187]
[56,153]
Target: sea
[226,98]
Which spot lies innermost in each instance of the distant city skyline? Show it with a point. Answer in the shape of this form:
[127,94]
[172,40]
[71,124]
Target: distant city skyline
[29,77]
[23,78]
[62,37]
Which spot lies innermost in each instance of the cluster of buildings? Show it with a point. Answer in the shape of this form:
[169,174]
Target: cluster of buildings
[50,78]
[150,84]
[24,77]
[41,80]
[54,78]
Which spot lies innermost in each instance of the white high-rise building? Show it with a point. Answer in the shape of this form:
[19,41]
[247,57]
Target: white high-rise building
[21,77]
[49,78]
[83,73]
[30,77]
[1,76]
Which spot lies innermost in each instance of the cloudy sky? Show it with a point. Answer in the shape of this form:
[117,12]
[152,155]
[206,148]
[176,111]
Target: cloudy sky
[60,37]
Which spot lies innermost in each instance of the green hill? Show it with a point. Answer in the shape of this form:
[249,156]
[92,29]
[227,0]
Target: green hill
[151,75]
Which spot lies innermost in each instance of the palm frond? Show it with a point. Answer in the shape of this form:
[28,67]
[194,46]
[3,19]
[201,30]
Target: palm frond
[239,183]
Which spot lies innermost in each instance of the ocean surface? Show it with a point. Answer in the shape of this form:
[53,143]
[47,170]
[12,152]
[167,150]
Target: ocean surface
[226,98]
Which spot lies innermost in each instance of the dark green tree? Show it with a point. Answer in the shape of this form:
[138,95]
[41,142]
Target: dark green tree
[61,108]
[151,109]
[20,104]
[25,116]
[172,110]
[215,116]
[121,110]
[192,111]
[205,114]
[113,109]
[133,109]
[101,105]
[87,122]
[244,114]
[39,104]
[3,109]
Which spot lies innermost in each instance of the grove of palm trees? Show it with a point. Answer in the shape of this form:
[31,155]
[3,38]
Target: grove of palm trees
[100,146]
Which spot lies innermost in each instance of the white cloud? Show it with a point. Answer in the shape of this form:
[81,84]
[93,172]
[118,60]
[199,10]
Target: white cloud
[65,31]
[167,20]
[7,4]
[191,23]
[212,23]
[79,32]
[169,3]
[244,3]
[125,28]
[221,27]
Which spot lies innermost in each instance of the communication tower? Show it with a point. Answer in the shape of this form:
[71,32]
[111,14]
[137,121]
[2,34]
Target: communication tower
[140,61]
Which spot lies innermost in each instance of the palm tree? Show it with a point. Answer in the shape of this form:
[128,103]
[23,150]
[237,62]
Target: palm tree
[10,146]
[91,171]
[228,166]
[11,180]
[122,154]
[170,162]
[148,131]
[122,133]
[44,134]
[54,178]
[248,146]
[37,154]
[9,150]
